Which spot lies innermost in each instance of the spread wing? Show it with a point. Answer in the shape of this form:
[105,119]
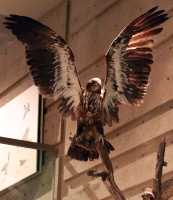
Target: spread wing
[50,59]
[128,62]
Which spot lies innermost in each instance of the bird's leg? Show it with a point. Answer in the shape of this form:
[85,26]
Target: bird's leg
[102,150]
[104,155]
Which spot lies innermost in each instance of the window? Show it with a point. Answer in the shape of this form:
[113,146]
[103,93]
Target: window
[19,119]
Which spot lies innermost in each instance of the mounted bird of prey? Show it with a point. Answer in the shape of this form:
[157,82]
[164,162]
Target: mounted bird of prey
[52,67]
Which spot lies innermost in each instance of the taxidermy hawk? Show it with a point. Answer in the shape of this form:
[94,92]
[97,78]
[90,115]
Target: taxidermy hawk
[52,67]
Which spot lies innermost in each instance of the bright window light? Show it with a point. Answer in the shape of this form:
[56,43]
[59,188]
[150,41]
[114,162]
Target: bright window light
[19,120]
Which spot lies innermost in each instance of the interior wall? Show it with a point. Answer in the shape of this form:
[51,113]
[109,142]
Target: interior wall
[94,24]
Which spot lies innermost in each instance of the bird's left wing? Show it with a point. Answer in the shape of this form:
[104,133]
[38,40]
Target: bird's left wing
[128,62]
[50,59]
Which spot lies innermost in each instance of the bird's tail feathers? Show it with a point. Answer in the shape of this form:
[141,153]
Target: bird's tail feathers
[82,152]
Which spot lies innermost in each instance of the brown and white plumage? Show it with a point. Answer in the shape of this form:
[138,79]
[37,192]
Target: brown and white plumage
[128,62]
[50,59]
[53,70]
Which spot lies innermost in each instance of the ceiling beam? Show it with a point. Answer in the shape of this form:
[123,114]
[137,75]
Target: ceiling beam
[136,189]
[123,159]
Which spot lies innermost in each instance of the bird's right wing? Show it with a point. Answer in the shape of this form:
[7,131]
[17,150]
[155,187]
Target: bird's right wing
[50,59]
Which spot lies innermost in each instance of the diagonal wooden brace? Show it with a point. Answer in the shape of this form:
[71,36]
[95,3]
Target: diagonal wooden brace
[31,145]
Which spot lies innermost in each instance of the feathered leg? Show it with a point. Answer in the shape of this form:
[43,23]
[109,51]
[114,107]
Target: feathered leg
[100,130]
[83,146]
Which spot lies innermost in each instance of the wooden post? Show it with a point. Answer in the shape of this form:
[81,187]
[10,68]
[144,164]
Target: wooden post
[60,184]
[61,161]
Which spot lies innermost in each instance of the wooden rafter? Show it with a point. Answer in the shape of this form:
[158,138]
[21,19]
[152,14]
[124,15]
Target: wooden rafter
[137,152]
[125,158]
[159,191]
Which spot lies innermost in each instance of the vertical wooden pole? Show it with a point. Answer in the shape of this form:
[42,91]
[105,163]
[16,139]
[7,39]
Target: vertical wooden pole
[60,185]
[61,161]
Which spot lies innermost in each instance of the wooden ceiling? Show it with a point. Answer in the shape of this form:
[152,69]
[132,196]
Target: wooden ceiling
[33,8]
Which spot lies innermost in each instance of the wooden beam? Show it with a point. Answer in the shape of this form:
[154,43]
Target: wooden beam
[155,112]
[124,158]
[89,192]
[31,145]
[148,147]
[14,85]
[63,120]
[61,162]
[136,189]
[160,191]
[149,194]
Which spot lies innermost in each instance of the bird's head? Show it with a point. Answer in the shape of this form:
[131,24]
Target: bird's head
[94,85]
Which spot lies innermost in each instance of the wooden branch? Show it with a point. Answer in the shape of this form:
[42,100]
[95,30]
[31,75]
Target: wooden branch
[160,191]
[107,175]
[155,193]
[109,182]
[157,185]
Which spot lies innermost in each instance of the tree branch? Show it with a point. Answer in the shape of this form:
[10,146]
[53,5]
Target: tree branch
[107,175]
[157,185]
[109,182]
[155,193]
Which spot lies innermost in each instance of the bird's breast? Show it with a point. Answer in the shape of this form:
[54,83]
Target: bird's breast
[91,102]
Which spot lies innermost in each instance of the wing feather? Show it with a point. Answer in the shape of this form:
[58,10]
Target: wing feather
[50,59]
[128,62]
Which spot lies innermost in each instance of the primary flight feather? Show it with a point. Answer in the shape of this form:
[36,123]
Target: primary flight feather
[52,67]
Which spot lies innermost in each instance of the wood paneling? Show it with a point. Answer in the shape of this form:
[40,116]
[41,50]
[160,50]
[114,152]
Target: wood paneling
[91,42]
